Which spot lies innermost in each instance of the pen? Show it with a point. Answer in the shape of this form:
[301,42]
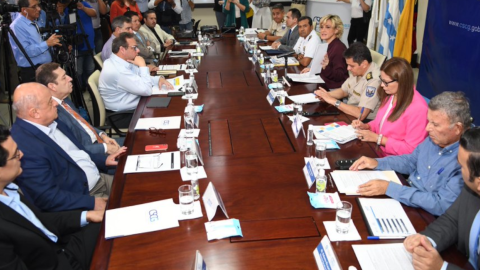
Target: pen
[361,113]
[378,221]
[138,163]
[331,180]
[256,31]
[384,237]
[440,171]
[172,161]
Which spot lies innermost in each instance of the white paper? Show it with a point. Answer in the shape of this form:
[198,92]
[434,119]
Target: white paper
[222,229]
[325,256]
[142,218]
[297,126]
[170,122]
[386,217]
[302,118]
[348,181]
[131,165]
[325,166]
[196,133]
[189,50]
[310,171]
[197,211]
[194,96]
[201,174]
[200,264]
[266,48]
[383,256]
[316,66]
[342,134]
[352,234]
[212,200]
[304,98]
[305,77]
[271,97]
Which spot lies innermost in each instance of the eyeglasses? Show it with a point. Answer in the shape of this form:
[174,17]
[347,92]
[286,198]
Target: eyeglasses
[157,132]
[35,6]
[386,83]
[134,48]
[17,155]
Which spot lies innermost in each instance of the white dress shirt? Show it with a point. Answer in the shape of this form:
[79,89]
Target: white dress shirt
[307,46]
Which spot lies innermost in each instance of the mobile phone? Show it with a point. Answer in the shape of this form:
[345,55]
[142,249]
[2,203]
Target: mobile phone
[156,147]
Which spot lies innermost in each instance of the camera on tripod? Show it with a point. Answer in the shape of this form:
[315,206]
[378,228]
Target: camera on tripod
[6,8]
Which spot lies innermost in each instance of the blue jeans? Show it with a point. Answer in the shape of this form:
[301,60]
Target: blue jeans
[85,67]
[220,19]
[187,26]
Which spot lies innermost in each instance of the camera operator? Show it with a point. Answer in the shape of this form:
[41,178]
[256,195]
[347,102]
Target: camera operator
[85,64]
[28,34]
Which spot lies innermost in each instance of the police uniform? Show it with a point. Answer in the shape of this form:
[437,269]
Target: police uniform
[307,46]
[364,91]
[278,29]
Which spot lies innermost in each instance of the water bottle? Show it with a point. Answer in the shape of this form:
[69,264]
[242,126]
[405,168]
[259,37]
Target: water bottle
[261,60]
[182,146]
[254,57]
[199,35]
[242,30]
[199,49]
[274,76]
[195,187]
[321,181]
[310,135]
[268,75]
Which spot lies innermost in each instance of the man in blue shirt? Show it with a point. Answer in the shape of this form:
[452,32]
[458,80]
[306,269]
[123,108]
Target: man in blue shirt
[28,34]
[435,175]
[34,240]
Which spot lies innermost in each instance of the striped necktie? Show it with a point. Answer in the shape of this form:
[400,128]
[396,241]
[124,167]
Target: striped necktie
[79,118]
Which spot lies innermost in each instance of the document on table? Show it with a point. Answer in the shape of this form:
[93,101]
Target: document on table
[177,83]
[142,218]
[383,256]
[318,58]
[266,48]
[304,98]
[170,122]
[159,162]
[348,181]
[385,218]
[305,78]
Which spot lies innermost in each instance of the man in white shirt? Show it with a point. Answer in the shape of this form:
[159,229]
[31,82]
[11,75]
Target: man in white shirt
[358,24]
[125,77]
[120,24]
[307,43]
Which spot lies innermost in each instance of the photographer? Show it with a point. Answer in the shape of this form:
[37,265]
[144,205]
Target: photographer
[28,35]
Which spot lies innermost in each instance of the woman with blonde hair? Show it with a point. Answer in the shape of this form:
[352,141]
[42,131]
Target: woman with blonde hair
[402,117]
[334,68]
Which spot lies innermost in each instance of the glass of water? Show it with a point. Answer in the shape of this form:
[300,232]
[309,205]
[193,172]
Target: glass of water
[188,122]
[344,214]
[185,196]
[320,154]
[192,162]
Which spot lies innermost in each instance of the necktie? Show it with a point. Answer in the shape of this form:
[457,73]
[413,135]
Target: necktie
[289,32]
[140,38]
[36,26]
[474,238]
[79,118]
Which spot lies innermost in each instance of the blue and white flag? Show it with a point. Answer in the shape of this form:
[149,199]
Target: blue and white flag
[390,25]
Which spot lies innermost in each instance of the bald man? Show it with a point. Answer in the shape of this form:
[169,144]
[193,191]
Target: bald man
[58,172]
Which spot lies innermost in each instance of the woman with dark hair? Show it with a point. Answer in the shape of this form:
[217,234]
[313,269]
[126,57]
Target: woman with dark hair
[119,7]
[402,117]
[236,11]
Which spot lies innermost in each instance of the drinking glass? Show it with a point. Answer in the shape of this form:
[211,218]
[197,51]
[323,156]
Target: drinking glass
[344,214]
[185,196]
[320,154]
[192,162]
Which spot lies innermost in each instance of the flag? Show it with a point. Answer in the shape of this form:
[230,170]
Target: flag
[390,24]
[375,26]
[403,42]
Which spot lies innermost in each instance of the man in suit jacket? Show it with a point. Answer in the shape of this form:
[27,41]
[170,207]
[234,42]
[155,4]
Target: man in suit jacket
[288,41]
[59,83]
[143,44]
[58,173]
[30,239]
[460,225]
[154,33]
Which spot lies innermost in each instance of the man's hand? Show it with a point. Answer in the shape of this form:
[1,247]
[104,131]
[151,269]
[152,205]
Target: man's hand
[110,161]
[300,56]
[95,216]
[364,163]
[305,70]
[80,6]
[412,242]
[426,257]
[112,145]
[100,204]
[373,188]
[168,42]
[163,82]
[325,61]
[276,44]
[138,61]
[324,95]
[54,40]
[367,136]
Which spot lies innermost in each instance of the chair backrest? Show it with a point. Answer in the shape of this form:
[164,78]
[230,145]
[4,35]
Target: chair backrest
[195,27]
[99,112]
[378,58]
[98,59]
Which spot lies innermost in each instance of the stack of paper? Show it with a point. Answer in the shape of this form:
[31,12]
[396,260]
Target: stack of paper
[304,98]
[278,62]
[341,134]
[348,181]
[177,83]
[305,78]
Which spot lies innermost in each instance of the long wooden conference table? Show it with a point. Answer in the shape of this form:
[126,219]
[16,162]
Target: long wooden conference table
[255,163]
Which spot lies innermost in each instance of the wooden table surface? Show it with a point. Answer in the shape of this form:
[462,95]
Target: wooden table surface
[255,163]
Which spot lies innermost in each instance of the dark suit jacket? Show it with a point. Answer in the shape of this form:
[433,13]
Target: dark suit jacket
[50,178]
[454,226]
[288,44]
[24,246]
[78,130]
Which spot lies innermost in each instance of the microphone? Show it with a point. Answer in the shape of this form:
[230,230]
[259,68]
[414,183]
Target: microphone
[285,54]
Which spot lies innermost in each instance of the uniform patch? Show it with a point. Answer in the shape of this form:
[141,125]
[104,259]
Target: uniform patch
[370,91]
[356,93]
[369,76]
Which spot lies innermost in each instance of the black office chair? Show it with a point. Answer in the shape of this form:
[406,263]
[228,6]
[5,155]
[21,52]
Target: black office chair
[195,27]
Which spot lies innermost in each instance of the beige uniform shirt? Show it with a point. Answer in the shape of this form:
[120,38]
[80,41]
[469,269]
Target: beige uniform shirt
[363,91]
[278,29]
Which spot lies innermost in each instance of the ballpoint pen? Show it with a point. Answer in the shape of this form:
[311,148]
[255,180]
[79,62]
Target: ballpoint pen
[384,237]
[172,161]
[361,113]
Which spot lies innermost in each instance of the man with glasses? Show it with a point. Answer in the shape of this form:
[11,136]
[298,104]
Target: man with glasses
[120,24]
[125,76]
[361,88]
[34,240]
[28,34]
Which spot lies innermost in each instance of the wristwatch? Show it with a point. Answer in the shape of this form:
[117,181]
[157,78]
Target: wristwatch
[337,104]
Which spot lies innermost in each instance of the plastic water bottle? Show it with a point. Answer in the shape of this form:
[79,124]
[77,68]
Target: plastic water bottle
[195,187]
[275,76]
[310,135]
[261,60]
[198,48]
[254,57]
[321,181]
[199,35]
[268,75]
[242,30]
